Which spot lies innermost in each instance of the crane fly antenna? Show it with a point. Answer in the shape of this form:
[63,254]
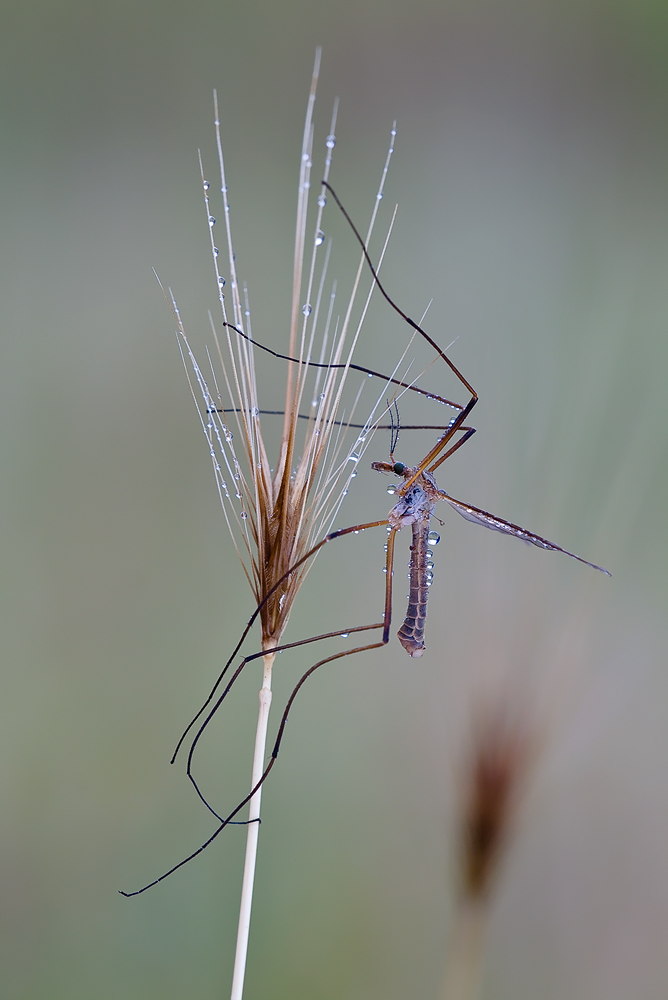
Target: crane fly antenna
[395,425]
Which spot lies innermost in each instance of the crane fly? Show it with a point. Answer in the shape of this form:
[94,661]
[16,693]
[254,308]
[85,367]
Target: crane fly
[418,494]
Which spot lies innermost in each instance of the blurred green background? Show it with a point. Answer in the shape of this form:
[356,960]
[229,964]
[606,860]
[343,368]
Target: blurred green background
[532,176]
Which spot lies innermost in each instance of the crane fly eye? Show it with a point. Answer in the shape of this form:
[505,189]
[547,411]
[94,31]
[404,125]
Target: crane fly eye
[398,468]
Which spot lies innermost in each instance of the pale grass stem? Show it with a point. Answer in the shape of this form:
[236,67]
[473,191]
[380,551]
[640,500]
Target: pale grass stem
[276,516]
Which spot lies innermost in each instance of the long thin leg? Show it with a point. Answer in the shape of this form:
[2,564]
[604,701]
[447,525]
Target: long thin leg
[387,617]
[358,368]
[328,538]
[456,424]
[385,625]
[235,675]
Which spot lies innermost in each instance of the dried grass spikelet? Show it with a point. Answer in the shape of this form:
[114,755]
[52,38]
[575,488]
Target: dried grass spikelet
[281,514]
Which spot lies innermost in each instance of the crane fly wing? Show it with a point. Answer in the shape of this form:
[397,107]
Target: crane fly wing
[507,528]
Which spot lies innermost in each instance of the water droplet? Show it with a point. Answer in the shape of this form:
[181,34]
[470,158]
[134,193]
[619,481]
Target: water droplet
[429,577]
[243,515]
[223,190]
[212,221]
[306,308]
[369,375]
[353,456]
[305,157]
[393,132]
[429,582]
[379,196]
[433,538]
[228,436]
[247,312]
[344,635]
[430,554]
[205,185]
[254,411]
[216,251]
[330,141]
[430,565]
[322,201]
[209,425]
[344,493]
[237,476]
[384,569]
[238,496]
[212,453]
[356,532]
[391,490]
[385,547]
[352,474]
[319,237]
[221,281]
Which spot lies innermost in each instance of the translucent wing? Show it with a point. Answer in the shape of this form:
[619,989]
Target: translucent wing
[498,524]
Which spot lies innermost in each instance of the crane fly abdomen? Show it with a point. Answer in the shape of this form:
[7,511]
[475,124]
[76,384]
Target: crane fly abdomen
[416,507]
[411,633]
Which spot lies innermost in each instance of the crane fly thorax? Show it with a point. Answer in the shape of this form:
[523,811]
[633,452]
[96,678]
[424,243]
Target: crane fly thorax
[417,503]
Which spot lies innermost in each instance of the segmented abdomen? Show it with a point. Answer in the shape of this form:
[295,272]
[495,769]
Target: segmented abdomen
[411,633]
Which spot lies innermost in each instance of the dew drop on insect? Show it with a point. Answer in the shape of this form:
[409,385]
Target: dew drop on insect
[212,221]
[205,185]
[429,583]
[322,201]
[393,132]
[212,453]
[247,312]
[216,251]
[238,496]
[221,281]
[430,565]
[369,375]
[223,190]
[319,237]
[379,196]
[391,490]
[306,308]
[385,547]
[243,515]
[430,554]
[353,457]
[429,577]
[228,436]
[355,532]
[254,411]
[384,569]
[433,538]
[330,141]
[352,474]
[344,635]
[344,493]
